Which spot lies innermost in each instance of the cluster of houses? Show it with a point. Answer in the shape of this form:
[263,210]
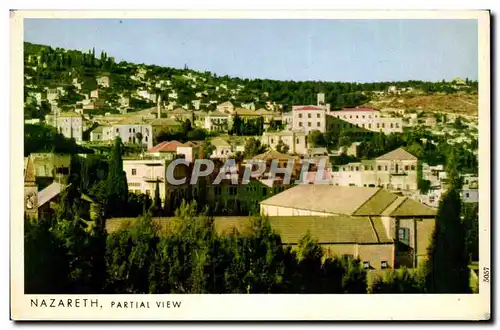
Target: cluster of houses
[372,209]
[366,209]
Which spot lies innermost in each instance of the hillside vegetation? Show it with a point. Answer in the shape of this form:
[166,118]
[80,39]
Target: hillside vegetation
[76,72]
[458,103]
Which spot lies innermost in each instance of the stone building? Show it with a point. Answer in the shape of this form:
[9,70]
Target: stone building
[295,140]
[396,170]
[399,228]
[70,124]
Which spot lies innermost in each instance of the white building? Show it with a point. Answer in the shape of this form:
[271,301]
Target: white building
[222,148]
[94,94]
[217,121]
[53,94]
[127,130]
[295,140]
[396,170]
[226,107]
[142,176]
[103,81]
[367,119]
[470,195]
[70,124]
[101,133]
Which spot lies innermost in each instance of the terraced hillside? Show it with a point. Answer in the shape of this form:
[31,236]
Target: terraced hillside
[457,103]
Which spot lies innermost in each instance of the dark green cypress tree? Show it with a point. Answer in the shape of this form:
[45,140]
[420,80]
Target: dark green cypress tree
[116,183]
[157,209]
[447,268]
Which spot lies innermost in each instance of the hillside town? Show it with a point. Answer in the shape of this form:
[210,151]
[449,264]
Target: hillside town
[100,143]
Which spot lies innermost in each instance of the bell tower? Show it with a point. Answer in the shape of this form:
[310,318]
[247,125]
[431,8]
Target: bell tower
[30,191]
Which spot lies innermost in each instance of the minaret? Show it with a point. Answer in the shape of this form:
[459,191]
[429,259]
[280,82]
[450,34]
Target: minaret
[159,106]
[321,99]
[30,191]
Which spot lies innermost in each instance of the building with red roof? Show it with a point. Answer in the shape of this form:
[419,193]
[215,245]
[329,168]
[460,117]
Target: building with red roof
[165,149]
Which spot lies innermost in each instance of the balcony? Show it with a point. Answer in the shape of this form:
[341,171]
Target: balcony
[398,172]
[153,178]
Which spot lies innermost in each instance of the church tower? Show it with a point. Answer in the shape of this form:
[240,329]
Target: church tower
[30,191]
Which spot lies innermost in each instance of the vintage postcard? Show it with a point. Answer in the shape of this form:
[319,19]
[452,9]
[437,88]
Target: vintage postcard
[250,165]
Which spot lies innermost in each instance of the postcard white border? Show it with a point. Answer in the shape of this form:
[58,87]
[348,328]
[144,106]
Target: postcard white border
[256,307]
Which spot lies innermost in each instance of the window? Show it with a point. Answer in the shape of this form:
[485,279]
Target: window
[134,171]
[298,141]
[363,125]
[146,138]
[404,235]
[383,264]
[397,125]
[407,167]
[357,168]
[369,125]
[130,130]
[317,115]
[357,116]
[300,124]
[386,167]
[379,168]
[413,167]
[350,116]
[378,125]
[363,116]
[272,141]
[309,124]
[383,125]
[366,167]
[366,264]
[467,195]
[308,115]
[391,125]
[318,124]
[407,187]
[300,115]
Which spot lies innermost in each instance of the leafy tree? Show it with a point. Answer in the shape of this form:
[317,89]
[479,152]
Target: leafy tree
[398,281]
[253,147]
[316,139]
[282,147]
[457,124]
[139,137]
